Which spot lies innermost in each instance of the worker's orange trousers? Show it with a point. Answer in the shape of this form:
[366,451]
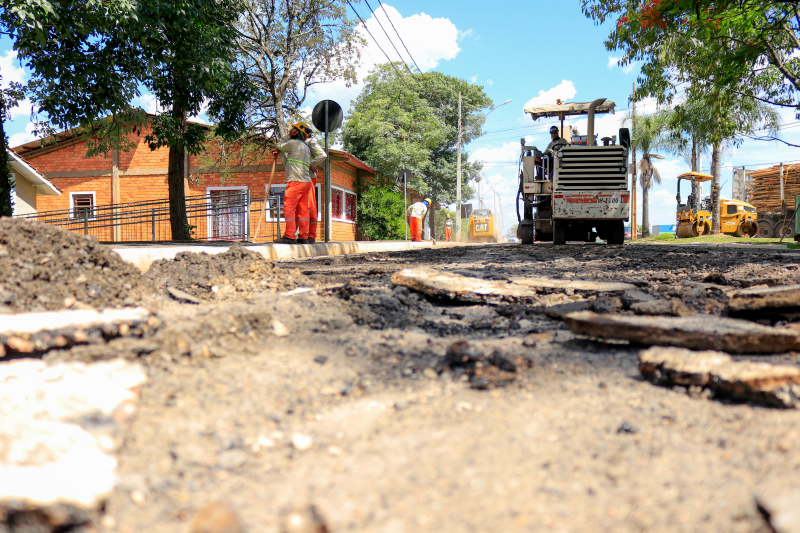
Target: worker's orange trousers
[295,209]
[447,232]
[312,210]
[416,229]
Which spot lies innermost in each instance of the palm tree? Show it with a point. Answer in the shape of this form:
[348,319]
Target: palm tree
[647,136]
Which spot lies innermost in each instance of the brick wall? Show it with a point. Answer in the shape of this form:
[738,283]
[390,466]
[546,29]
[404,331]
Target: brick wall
[136,185]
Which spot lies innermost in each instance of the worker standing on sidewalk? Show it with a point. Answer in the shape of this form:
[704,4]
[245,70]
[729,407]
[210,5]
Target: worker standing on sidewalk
[318,156]
[415,214]
[448,228]
[296,157]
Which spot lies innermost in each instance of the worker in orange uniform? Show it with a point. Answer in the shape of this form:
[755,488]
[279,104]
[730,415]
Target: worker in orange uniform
[448,228]
[296,157]
[318,156]
[415,213]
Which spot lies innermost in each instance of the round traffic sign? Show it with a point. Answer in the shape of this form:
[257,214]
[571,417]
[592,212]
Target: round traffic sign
[332,110]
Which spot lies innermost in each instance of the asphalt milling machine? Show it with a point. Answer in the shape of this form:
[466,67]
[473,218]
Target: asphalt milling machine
[581,191]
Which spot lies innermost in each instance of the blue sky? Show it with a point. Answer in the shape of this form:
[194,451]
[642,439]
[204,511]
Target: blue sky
[543,50]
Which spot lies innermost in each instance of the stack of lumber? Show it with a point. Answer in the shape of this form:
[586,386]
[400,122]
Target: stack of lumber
[765,190]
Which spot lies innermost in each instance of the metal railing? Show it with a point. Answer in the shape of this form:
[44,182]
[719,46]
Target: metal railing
[219,216]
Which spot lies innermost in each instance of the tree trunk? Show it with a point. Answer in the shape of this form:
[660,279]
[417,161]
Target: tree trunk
[179,224]
[695,185]
[6,181]
[646,207]
[716,161]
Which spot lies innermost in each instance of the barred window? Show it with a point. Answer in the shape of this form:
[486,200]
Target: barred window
[336,203]
[350,207]
[82,205]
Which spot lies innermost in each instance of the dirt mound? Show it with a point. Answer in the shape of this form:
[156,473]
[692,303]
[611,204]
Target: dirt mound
[235,272]
[46,268]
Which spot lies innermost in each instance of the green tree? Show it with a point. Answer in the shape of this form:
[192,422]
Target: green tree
[410,121]
[380,212]
[8,100]
[287,47]
[88,59]
[743,47]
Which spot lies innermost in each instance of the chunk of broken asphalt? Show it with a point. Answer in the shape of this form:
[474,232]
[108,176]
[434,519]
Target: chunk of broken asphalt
[753,299]
[762,383]
[216,517]
[301,518]
[699,332]
[635,296]
[626,428]
[780,506]
[182,296]
[559,310]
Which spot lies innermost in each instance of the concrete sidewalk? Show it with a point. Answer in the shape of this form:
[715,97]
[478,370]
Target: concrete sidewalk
[143,256]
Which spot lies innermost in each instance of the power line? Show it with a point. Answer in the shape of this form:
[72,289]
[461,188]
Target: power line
[398,36]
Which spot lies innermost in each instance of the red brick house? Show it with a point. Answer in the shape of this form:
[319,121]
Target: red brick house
[138,184]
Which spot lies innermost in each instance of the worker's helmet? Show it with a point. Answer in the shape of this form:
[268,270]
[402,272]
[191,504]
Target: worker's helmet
[302,126]
[427,201]
[448,215]
[554,129]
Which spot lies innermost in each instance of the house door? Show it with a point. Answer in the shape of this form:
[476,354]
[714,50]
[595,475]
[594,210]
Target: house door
[228,214]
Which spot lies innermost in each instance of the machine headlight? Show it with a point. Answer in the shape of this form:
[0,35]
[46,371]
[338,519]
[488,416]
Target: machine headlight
[624,152]
[623,170]
[560,154]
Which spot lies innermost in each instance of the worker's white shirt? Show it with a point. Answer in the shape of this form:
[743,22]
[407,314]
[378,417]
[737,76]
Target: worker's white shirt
[448,223]
[417,210]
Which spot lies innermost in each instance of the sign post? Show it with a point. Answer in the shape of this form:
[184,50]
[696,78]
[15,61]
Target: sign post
[406,174]
[327,117]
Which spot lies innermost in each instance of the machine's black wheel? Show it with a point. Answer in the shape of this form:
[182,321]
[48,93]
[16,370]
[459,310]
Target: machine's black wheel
[765,228]
[559,232]
[786,231]
[526,234]
[616,232]
[745,229]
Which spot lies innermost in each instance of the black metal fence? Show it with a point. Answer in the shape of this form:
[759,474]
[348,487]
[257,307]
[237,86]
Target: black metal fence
[219,216]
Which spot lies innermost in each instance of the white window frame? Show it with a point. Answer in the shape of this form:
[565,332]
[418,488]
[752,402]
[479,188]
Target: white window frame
[210,218]
[72,204]
[340,217]
[267,215]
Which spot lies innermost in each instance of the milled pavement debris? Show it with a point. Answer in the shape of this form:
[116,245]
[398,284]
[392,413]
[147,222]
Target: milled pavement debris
[780,507]
[753,299]
[36,333]
[762,383]
[216,517]
[698,332]
[442,284]
[301,518]
[60,425]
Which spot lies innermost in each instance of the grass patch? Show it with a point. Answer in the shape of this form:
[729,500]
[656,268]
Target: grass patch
[669,237]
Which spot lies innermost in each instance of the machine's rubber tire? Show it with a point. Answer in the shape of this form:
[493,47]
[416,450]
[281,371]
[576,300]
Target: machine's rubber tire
[616,232]
[707,229]
[765,229]
[745,229]
[526,234]
[559,232]
[786,232]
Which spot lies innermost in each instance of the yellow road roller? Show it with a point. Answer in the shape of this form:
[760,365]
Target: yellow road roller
[481,226]
[736,218]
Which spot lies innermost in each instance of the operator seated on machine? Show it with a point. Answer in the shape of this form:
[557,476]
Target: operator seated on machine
[549,154]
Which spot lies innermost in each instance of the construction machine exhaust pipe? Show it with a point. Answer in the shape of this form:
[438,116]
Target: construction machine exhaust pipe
[590,127]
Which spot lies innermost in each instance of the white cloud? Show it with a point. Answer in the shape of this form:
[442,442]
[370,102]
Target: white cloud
[628,68]
[466,33]
[429,41]
[11,70]
[489,82]
[612,61]
[564,91]
[22,137]
[474,78]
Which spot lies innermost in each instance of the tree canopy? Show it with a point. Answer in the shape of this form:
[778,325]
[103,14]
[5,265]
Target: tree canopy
[410,121]
[746,47]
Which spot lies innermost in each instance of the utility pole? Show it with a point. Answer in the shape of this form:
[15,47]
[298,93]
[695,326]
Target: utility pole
[458,174]
[634,215]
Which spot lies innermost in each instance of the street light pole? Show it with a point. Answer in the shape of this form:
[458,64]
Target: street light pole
[458,174]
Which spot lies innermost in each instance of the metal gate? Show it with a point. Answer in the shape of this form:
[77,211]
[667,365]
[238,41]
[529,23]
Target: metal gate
[229,215]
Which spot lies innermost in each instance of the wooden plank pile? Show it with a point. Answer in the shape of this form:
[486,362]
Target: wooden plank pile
[765,190]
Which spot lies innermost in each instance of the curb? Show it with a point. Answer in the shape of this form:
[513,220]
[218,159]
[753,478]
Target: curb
[142,257]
